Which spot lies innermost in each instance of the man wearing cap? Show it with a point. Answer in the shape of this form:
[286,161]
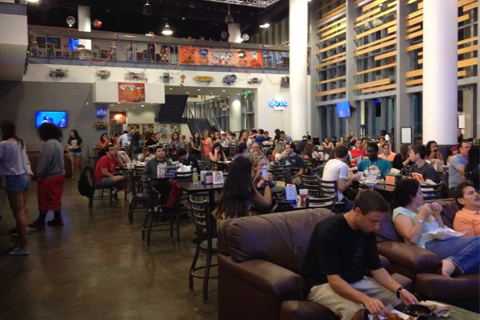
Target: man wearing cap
[224,141]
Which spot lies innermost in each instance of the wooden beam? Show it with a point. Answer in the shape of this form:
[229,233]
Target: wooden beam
[415,14]
[414,73]
[468,49]
[413,29]
[370,49]
[328,26]
[340,27]
[334,91]
[392,29]
[376,17]
[384,26]
[462,73]
[333,46]
[387,66]
[462,3]
[467,40]
[375,42]
[332,13]
[414,21]
[468,63]
[366,15]
[334,56]
[420,5]
[414,35]
[371,84]
[382,88]
[415,47]
[386,55]
[414,82]
[331,80]
[332,36]
[463,18]
[321,65]
[411,1]
[470,7]
[326,5]
[391,4]
[374,4]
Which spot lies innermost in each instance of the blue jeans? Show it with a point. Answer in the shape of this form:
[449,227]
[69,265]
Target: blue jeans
[463,252]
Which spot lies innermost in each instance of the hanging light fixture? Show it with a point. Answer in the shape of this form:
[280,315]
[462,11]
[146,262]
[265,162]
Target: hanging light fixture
[167,31]
[147,9]
[229,17]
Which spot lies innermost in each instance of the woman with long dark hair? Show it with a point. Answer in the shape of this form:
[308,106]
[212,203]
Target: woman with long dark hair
[432,151]
[50,176]
[13,165]
[217,156]
[136,145]
[401,159]
[102,143]
[239,194]
[75,144]
[196,145]
[415,220]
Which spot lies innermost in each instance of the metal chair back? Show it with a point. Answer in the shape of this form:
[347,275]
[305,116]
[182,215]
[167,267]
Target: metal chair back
[184,176]
[328,188]
[324,202]
[202,218]
[281,172]
[311,183]
[432,191]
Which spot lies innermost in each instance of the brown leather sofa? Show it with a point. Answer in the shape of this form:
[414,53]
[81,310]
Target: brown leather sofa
[259,261]
[422,266]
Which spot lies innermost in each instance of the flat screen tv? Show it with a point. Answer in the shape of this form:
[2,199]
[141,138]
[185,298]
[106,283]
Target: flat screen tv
[58,118]
[101,112]
[74,44]
[343,109]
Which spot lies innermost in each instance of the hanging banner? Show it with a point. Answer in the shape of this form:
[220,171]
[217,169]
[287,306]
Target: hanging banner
[220,57]
[131,92]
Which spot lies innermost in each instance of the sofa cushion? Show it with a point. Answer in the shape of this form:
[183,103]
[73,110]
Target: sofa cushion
[449,210]
[280,238]
[387,231]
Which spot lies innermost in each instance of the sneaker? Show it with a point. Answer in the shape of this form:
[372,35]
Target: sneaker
[36,226]
[55,222]
[19,252]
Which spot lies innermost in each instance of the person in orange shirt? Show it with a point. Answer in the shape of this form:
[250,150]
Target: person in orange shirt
[468,218]
[387,153]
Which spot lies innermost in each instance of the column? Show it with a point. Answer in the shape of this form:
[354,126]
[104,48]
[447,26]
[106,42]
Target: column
[315,110]
[440,44]
[351,69]
[235,116]
[85,25]
[234,33]
[298,27]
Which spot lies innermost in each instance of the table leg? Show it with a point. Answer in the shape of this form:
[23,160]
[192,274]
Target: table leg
[211,200]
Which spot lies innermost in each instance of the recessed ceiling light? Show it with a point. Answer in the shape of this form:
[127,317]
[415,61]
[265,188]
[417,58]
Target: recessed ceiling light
[111,105]
[32,1]
[198,89]
[143,105]
[223,90]
[265,25]
[238,94]
[171,88]
[188,92]
[126,109]
[167,31]
[129,36]
[133,107]
[211,93]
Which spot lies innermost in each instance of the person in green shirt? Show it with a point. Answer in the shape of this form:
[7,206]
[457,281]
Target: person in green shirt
[384,166]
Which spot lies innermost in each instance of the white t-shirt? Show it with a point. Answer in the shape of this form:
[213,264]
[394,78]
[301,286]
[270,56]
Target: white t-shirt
[334,170]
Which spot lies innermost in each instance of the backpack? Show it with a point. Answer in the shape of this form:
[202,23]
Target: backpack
[86,183]
[174,194]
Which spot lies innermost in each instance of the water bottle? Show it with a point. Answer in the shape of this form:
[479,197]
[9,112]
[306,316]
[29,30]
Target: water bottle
[196,178]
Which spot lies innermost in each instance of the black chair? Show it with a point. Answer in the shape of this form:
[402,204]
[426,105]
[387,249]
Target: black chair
[184,177]
[432,191]
[328,188]
[281,173]
[312,183]
[326,202]
[140,198]
[91,177]
[407,170]
[206,243]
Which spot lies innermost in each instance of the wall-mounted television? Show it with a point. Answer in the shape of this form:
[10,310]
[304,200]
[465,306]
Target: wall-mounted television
[101,112]
[59,118]
[343,109]
[74,44]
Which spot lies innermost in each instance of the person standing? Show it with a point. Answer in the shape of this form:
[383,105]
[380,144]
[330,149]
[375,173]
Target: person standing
[196,145]
[124,139]
[207,144]
[13,166]
[75,144]
[50,177]
[456,168]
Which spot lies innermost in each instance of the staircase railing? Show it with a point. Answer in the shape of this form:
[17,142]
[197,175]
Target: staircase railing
[212,118]
[188,114]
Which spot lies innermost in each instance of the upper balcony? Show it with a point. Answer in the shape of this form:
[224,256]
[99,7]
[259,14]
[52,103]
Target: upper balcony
[50,45]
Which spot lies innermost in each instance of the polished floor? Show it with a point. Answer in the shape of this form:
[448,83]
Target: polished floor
[96,267]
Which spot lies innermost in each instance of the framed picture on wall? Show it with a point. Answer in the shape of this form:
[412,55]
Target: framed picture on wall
[147,127]
[163,130]
[134,128]
[174,128]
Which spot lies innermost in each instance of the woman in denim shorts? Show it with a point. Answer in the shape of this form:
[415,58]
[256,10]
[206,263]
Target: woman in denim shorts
[13,165]
[75,144]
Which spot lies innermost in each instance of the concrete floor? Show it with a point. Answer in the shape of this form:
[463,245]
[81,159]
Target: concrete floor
[96,267]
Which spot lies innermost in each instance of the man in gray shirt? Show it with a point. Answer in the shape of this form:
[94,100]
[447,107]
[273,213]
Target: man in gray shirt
[417,155]
[456,169]
[151,168]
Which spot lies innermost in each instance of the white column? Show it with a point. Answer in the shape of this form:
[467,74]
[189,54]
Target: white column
[235,116]
[234,33]
[85,25]
[298,27]
[440,58]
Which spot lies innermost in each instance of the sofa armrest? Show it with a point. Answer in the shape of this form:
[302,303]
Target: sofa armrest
[410,257]
[265,276]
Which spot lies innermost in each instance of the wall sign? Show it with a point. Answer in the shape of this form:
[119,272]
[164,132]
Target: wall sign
[190,55]
[277,104]
[131,92]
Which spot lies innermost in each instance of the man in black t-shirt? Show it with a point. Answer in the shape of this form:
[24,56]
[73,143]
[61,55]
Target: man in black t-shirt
[295,161]
[341,249]
[188,159]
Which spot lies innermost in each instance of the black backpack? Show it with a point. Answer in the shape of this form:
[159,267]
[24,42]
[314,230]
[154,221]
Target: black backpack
[86,183]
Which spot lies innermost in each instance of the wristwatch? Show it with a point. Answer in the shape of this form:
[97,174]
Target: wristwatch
[399,290]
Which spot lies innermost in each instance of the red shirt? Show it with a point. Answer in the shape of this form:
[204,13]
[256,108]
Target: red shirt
[355,153]
[105,162]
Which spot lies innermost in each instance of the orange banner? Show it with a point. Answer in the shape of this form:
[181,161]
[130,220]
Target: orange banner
[131,92]
[220,57]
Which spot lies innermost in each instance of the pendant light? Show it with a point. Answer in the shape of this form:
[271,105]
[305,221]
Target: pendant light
[229,17]
[167,31]
[147,9]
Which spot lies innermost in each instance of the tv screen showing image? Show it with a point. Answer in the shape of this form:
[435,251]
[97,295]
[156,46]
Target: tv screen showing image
[101,112]
[343,109]
[59,118]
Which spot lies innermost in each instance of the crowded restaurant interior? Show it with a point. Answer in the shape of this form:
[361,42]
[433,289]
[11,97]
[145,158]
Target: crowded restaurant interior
[239,159]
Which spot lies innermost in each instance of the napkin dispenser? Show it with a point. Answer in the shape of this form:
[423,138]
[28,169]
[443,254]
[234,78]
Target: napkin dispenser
[392,179]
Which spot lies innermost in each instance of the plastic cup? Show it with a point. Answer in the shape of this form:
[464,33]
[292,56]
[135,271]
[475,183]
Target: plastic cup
[303,196]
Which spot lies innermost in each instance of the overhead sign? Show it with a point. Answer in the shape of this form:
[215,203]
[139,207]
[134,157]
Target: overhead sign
[278,104]
[220,57]
[131,92]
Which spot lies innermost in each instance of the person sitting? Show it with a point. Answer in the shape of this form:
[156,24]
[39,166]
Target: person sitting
[286,138]
[241,151]
[402,159]
[259,137]
[456,169]
[467,219]
[453,151]
[122,156]
[414,220]
[381,143]
[387,153]
[256,150]
[217,156]
[472,169]
[224,141]
[187,159]
[105,173]
[432,152]
[145,156]
[341,249]
[277,153]
[417,156]
[327,144]
[259,163]
[151,139]
[239,194]
[351,140]
[308,151]
[373,162]
[295,161]
[356,152]
[302,144]
[102,144]
[266,141]
[337,170]
[151,167]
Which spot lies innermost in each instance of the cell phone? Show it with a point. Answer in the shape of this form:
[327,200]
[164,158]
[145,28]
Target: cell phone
[264,171]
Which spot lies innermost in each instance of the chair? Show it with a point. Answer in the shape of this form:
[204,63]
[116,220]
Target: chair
[205,229]
[184,177]
[431,191]
[281,172]
[326,202]
[407,170]
[311,183]
[139,198]
[91,156]
[91,177]
[328,188]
